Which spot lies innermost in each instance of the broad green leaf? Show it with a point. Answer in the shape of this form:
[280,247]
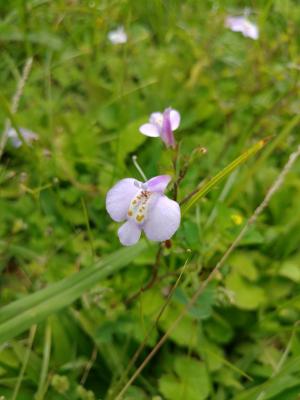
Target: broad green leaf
[218,329]
[187,331]
[203,306]
[291,269]
[247,295]
[243,263]
[190,382]
[129,139]
[222,174]
[21,314]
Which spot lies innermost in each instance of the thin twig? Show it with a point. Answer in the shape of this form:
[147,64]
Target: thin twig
[181,176]
[89,365]
[153,326]
[276,185]
[152,280]
[15,102]
[183,171]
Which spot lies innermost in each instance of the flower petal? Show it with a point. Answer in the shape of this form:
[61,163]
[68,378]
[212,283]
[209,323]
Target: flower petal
[243,25]
[117,36]
[158,183]
[119,197]
[129,233]
[163,219]
[149,130]
[250,30]
[235,23]
[156,118]
[27,135]
[175,119]
[166,132]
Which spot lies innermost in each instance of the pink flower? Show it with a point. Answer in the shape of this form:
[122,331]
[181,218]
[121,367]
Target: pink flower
[163,125]
[243,25]
[144,207]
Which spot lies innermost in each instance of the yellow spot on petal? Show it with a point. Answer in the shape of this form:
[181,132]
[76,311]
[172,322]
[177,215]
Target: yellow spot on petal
[139,218]
[130,213]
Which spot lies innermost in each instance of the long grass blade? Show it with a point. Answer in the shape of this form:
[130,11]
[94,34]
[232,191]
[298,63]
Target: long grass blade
[222,174]
[278,139]
[21,314]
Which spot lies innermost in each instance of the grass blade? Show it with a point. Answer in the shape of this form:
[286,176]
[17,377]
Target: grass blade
[278,139]
[222,174]
[21,314]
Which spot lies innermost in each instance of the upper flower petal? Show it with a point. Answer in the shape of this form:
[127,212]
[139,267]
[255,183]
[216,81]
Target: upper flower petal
[129,233]
[163,219]
[119,197]
[174,119]
[149,130]
[158,183]
[156,118]
[166,132]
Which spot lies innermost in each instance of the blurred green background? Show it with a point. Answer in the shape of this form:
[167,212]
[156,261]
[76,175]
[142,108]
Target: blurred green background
[85,99]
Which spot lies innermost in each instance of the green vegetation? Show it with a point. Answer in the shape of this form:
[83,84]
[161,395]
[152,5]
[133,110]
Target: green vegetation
[75,306]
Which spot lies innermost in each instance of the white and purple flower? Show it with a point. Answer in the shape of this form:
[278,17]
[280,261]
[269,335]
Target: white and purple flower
[243,25]
[163,125]
[144,207]
[27,135]
[118,36]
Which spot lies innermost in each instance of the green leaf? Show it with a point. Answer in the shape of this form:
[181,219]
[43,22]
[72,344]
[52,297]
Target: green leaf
[203,306]
[21,314]
[129,140]
[246,295]
[218,329]
[222,174]
[190,382]
[291,269]
[271,388]
[187,331]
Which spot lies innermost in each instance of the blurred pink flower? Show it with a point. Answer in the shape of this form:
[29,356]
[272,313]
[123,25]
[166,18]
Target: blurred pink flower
[144,207]
[243,25]
[163,125]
